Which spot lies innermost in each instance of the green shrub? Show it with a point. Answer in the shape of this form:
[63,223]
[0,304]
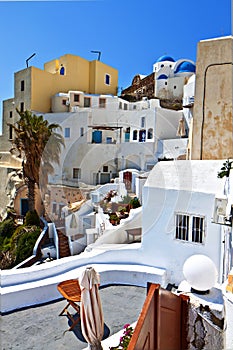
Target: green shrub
[25,239]
[32,218]
[114,219]
[17,242]
[7,228]
[135,203]
[126,200]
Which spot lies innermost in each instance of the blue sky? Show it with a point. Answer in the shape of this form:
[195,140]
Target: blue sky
[131,34]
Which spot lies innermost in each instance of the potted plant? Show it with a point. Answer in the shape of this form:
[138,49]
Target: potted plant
[134,203]
[123,213]
[124,339]
[114,219]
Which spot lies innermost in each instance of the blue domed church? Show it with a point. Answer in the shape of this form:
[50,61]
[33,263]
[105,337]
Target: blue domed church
[165,83]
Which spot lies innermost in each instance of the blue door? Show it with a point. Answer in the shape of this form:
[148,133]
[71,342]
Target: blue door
[97,136]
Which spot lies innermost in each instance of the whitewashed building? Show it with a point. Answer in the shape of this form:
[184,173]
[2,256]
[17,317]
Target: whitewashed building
[179,206]
[125,134]
[171,76]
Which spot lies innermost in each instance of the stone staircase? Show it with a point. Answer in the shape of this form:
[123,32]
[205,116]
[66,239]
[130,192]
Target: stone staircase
[63,244]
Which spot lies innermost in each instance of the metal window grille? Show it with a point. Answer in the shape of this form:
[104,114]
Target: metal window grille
[182,227]
[197,229]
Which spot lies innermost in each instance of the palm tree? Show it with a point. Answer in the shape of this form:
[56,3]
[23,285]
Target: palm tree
[39,146]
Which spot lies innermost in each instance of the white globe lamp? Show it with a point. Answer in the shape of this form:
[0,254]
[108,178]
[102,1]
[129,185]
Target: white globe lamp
[200,272]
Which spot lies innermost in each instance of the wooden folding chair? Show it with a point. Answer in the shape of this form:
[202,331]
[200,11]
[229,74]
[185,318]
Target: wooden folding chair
[71,291]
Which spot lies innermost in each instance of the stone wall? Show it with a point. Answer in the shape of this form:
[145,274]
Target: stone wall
[212,118]
[206,324]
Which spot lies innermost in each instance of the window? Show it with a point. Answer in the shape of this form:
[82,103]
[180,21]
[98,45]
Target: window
[107,79]
[102,102]
[150,134]
[76,97]
[109,140]
[62,70]
[54,208]
[67,132]
[105,169]
[87,102]
[64,102]
[11,114]
[127,134]
[81,131]
[197,229]
[10,132]
[142,136]
[76,173]
[182,227]
[174,87]
[22,107]
[190,228]
[125,106]
[165,82]
[120,105]
[22,85]
[143,122]
[135,135]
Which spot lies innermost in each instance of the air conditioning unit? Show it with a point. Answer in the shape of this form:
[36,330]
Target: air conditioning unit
[219,215]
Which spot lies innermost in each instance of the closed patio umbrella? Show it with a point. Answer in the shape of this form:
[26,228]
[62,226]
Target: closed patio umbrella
[73,222]
[92,322]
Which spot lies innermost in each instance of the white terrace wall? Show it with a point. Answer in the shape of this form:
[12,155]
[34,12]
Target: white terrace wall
[183,187]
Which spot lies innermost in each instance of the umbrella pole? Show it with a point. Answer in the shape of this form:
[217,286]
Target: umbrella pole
[96,346]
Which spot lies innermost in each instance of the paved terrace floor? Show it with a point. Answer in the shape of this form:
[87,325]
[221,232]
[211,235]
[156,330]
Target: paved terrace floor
[41,328]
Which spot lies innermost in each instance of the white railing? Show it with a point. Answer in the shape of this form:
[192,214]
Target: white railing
[53,232]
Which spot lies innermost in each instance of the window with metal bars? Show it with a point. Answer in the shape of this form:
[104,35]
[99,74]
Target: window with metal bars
[182,227]
[197,229]
[190,227]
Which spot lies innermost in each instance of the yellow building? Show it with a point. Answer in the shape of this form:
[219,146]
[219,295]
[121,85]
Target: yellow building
[34,87]
[33,90]
[213,106]
[69,72]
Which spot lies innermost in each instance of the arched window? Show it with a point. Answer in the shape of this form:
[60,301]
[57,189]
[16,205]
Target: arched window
[135,135]
[62,70]
[142,136]
[150,134]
